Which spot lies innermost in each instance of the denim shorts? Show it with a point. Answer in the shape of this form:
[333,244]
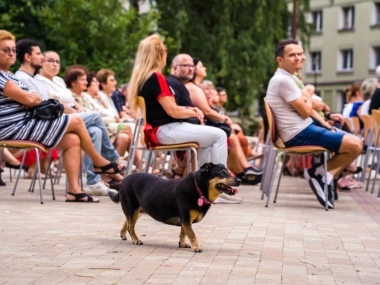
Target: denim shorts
[318,136]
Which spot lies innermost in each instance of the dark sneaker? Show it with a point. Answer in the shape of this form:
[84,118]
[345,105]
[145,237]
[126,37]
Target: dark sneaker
[250,173]
[317,186]
[256,181]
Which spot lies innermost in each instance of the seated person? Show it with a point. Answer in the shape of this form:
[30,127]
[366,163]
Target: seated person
[375,101]
[68,132]
[30,56]
[219,101]
[354,101]
[162,112]
[120,100]
[237,161]
[56,88]
[292,112]
[367,89]
[76,80]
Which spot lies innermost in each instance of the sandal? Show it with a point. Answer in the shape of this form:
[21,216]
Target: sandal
[79,196]
[111,165]
[358,170]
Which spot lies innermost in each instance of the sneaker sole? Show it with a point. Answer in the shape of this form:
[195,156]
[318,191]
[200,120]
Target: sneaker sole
[319,192]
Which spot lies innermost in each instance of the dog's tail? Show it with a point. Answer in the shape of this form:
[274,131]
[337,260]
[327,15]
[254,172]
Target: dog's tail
[114,196]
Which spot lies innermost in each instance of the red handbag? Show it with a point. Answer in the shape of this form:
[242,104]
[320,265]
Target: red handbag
[150,136]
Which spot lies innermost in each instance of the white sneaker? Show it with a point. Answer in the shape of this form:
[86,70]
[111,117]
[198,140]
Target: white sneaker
[227,199]
[98,189]
[121,161]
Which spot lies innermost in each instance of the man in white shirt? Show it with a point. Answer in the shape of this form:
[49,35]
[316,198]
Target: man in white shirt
[293,111]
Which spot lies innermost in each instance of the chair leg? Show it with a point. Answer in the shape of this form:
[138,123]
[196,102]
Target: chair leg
[369,174]
[273,177]
[268,172]
[39,174]
[148,161]
[279,178]
[195,158]
[18,175]
[365,164]
[377,171]
[325,184]
[59,170]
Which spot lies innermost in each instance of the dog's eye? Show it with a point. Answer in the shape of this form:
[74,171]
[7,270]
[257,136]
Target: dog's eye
[224,172]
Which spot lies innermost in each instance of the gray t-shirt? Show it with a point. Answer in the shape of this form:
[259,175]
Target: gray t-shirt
[283,89]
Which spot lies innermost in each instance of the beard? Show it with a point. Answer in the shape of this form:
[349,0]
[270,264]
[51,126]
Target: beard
[36,67]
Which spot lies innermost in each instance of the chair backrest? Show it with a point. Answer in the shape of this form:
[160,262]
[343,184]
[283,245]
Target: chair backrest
[274,138]
[356,125]
[142,109]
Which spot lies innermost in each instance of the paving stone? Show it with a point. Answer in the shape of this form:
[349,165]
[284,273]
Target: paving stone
[291,242]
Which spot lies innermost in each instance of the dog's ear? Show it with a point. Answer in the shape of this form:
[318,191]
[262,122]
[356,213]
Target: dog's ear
[207,167]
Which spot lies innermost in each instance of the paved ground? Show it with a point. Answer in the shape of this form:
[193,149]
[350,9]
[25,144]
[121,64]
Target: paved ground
[292,242]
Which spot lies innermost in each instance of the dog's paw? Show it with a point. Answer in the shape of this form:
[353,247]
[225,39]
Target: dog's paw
[184,245]
[197,249]
[123,237]
[138,242]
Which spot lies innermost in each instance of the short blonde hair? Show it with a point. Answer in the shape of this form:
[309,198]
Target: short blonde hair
[5,35]
[368,87]
[149,58]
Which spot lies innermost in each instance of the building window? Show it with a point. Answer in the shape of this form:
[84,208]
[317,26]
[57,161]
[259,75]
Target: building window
[315,61]
[377,13]
[347,18]
[376,53]
[346,60]
[317,18]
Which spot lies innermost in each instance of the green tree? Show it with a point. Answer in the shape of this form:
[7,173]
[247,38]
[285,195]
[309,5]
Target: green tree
[95,33]
[233,38]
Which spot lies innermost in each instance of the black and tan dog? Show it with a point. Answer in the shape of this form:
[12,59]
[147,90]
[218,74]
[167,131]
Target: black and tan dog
[179,202]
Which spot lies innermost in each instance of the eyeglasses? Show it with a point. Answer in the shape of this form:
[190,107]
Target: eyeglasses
[186,65]
[50,60]
[8,50]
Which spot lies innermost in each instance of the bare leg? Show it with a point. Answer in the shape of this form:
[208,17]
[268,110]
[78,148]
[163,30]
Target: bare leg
[77,127]
[70,144]
[350,148]
[122,143]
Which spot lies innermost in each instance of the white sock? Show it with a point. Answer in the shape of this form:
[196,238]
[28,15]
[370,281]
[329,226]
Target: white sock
[328,179]
[321,171]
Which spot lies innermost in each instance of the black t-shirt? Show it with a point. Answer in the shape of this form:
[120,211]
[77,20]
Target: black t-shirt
[153,89]
[375,101]
[182,96]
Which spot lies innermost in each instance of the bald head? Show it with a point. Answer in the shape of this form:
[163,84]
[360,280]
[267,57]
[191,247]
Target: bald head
[183,67]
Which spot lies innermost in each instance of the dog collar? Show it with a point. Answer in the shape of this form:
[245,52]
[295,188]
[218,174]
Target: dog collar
[202,199]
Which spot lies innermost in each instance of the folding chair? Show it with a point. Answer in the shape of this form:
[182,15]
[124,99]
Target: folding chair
[29,145]
[281,151]
[374,148]
[138,135]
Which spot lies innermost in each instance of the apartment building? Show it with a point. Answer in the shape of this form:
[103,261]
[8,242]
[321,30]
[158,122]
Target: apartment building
[344,46]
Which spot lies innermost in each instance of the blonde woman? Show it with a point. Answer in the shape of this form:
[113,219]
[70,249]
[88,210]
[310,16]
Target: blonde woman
[163,113]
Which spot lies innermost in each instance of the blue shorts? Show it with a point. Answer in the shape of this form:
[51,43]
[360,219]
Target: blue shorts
[319,136]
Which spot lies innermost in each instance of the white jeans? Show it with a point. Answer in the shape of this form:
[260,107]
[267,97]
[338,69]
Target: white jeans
[212,141]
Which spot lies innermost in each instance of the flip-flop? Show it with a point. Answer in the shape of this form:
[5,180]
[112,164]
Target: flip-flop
[82,195]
